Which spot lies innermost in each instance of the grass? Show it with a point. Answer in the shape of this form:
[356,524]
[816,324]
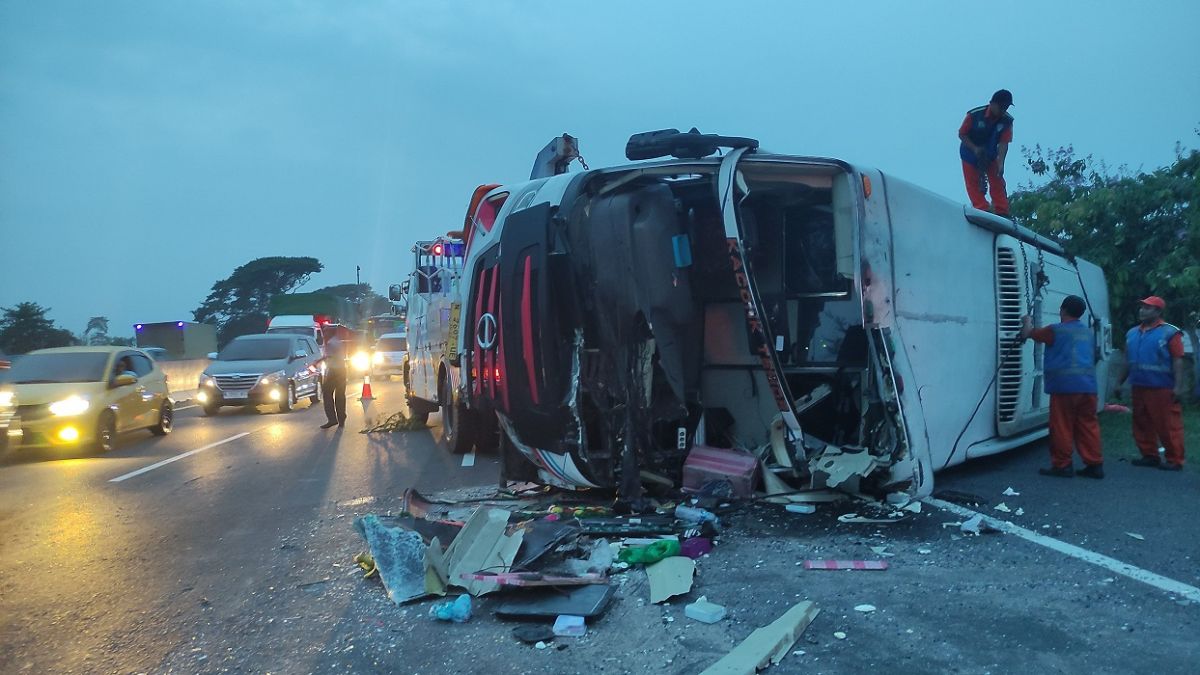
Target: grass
[1116,435]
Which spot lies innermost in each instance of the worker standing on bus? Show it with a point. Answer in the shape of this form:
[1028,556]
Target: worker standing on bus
[1070,379]
[1154,365]
[333,384]
[985,135]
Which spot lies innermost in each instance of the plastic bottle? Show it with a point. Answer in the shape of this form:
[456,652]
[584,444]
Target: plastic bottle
[689,514]
[651,553]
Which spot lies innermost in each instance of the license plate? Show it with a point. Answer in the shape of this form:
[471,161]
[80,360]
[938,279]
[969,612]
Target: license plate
[236,394]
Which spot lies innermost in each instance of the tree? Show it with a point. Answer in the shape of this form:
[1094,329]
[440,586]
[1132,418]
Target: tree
[24,328]
[239,304]
[366,301]
[1142,229]
[96,332]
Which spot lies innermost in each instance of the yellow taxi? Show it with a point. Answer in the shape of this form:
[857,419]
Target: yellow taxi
[82,397]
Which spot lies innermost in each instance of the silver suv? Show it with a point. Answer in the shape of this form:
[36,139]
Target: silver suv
[259,370]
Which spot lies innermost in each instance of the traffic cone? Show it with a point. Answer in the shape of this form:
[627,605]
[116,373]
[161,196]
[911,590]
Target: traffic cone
[366,390]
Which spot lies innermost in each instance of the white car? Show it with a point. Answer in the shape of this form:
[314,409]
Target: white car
[390,352]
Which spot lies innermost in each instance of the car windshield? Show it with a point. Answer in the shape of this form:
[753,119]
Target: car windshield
[255,350]
[58,367]
[392,344]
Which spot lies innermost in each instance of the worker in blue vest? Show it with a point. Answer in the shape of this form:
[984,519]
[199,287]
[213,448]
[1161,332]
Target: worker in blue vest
[1155,368]
[984,136]
[1070,379]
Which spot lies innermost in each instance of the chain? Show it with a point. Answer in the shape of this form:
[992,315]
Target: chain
[583,162]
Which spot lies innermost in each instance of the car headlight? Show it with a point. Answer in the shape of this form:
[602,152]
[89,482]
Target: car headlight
[72,405]
[6,399]
[207,381]
[273,378]
[378,358]
[360,361]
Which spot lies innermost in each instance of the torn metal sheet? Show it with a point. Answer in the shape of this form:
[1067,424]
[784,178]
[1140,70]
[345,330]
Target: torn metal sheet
[778,446]
[670,577]
[530,579]
[541,537]
[399,556]
[840,466]
[767,644]
[482,546]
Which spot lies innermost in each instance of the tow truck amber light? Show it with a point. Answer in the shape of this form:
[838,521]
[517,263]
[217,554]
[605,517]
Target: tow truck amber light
[68,434]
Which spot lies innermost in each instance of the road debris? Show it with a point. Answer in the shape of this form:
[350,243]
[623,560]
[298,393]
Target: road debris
[399,556]
[670,577]
[976,525]
[882,551]
[704,611]
[845,565]
[569,625]
[457,610]
[533,633]
[839,635]
[768,644]
[651,553]
[1009,492]
[800,508]
[695,547]
[585,601]
[1135,535]
[1002,507]
[866,609]
[705,466]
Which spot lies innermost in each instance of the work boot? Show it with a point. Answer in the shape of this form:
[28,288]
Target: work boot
[1170,466]
[328,425]
[1146,461]
[1058,472]
[1092,471]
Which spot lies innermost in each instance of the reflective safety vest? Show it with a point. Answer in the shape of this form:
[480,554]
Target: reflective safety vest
[984,133]
[1070,362]
[1149,359]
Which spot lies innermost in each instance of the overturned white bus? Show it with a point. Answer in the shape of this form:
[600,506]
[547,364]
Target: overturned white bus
[853,329]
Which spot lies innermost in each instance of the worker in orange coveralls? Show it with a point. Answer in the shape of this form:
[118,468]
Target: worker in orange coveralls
[1155,368]
[985,134]
[1070,379]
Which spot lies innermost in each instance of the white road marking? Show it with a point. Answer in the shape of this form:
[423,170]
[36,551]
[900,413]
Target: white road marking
[176,458]
[186,407]
[1113,565]
[469,459]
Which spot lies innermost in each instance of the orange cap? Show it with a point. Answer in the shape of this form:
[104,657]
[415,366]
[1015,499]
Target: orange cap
[1154,301]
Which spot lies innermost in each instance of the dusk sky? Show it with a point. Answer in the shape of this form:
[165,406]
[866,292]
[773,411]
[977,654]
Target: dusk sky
[149,148]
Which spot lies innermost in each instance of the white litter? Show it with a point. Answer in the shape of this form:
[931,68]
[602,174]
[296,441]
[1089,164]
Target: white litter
[1009,492]
[1020,511]
[924,551]
[880,551]
[1137,536]
[840,635]
[1002,507]
[972,526]
[914,507]
[864,608]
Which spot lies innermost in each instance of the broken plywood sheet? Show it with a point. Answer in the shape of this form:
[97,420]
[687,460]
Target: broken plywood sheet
[779,492]
[670,577]
[840,466]
[769,643]
[482,546]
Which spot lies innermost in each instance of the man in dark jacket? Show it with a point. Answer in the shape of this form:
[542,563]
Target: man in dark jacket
[334,383]
[1070,379]
[985,135]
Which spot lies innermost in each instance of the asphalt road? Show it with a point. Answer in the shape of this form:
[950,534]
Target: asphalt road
[237,559]
[102,576]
